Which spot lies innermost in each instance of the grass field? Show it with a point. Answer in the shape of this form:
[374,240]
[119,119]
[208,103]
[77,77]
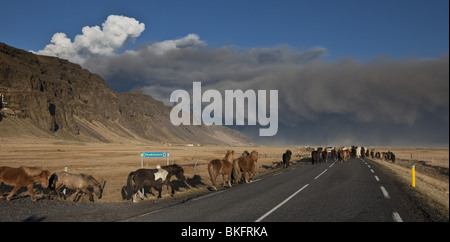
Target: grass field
[113,162]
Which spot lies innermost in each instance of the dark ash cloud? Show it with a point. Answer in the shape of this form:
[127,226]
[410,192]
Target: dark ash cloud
[381,102]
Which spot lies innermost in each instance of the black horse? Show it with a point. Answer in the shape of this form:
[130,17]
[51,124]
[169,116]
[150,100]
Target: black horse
[315,156]
[287,158]
[154,178]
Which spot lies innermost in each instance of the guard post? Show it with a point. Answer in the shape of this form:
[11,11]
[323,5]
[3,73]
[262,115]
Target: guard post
[413,176]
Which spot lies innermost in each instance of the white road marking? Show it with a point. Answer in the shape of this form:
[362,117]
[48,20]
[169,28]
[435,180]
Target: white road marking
[276,174]
[320,174]
[198,198]
[376,178]
[372,170]
[385,193]
[281,204]
[396,217]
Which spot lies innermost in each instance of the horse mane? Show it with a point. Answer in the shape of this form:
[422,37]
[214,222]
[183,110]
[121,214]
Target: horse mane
[229,156]
[90,179]
[32,171]
[254,155]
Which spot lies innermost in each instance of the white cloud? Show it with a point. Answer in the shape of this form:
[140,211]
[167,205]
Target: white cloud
[95,41]
[160,48]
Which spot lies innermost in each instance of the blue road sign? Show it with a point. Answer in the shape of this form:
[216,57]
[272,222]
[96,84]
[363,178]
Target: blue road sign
[154,154]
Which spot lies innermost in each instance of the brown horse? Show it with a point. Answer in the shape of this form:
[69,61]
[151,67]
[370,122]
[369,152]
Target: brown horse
[78,182]
[23,176]
[223,167]
[236,175]
[248,165]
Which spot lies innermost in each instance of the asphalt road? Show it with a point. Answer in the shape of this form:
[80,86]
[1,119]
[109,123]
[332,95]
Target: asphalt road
[356,190]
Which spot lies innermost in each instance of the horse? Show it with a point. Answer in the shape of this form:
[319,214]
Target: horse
[334,153]
[153,177]
[314,156]
[341,155]
[319,154]
[23,176]
[378,155]
[78,182]
[325,155]
[236,174]
[178,172]
[248,165]
[223,167]
[287,158]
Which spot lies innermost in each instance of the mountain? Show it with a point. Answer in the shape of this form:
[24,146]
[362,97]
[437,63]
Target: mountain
[45,96]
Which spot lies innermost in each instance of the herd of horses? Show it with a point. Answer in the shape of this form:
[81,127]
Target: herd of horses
[342,154]
[233,170]
[236,170]
[84,184]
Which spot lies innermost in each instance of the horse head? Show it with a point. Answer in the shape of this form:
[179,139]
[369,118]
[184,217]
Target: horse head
[229,156]
[254,155]
[97,186]
[43,178]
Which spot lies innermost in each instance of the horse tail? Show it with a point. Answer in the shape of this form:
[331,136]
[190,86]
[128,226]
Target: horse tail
[212,174]
[236,174]
[52,181]
[130,187]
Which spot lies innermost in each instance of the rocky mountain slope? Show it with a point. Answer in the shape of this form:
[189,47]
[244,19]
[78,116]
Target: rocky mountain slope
[46,96]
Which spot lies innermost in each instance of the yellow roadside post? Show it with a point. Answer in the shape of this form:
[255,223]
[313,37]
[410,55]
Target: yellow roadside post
[413,175]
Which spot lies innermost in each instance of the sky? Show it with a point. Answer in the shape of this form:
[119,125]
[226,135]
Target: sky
[367,72]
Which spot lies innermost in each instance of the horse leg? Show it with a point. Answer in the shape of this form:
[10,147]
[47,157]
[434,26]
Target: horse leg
[14,190]
[173,190]
[138,190]
[159,188]
[213,180]
[78,194]
[223,180]
[245,176]
[229,179]
[30,190]
[58,191]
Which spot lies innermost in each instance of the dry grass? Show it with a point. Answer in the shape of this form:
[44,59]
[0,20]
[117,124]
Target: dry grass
[114,162]
[432,173]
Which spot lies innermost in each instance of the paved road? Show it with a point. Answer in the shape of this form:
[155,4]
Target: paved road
[357,190]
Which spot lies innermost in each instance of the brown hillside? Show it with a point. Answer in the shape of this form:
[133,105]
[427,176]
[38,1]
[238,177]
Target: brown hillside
[46,96]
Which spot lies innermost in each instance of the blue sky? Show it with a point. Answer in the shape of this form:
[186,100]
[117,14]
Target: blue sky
[362,29]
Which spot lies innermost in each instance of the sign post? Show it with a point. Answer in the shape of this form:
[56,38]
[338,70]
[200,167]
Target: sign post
[154,154]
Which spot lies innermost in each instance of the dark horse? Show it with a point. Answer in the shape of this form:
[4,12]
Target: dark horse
[315,156]
[152,177]
[287,158]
